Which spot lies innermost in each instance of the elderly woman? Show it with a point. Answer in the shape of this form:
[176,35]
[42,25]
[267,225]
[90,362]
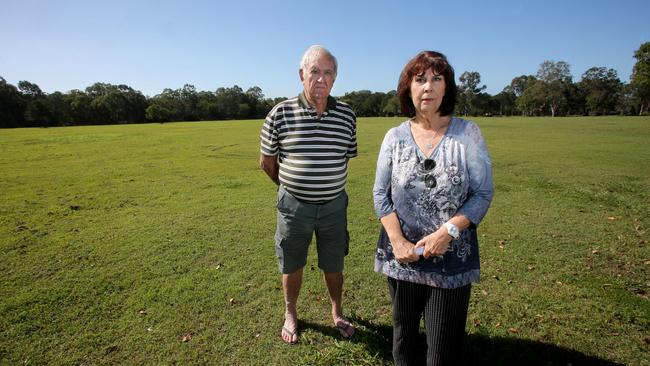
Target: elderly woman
[432,188]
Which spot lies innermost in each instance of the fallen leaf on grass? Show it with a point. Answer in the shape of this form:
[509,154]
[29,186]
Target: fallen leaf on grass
[498,325]
[611,218]
[513,330]
[371,218]
[142,312]
[616,334]
[232,301]
[186,337]
[639,230]
[484,293]
[477,322]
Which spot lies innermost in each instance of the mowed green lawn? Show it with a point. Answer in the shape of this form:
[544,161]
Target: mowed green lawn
[153,244]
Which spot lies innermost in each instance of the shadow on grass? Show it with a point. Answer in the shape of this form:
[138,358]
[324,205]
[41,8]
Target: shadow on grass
[479,349]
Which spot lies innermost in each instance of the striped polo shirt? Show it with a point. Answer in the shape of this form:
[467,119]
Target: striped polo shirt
[312,153]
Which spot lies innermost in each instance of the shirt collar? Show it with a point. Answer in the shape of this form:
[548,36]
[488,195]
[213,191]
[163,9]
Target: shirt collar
[302,99]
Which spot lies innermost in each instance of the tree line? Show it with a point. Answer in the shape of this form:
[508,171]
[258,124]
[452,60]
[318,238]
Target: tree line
[28,106]
[551,91]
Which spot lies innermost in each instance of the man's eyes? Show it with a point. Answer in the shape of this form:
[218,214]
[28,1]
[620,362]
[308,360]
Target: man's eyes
[317,72]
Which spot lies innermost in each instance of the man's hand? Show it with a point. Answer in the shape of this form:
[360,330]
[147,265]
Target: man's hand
[271,167]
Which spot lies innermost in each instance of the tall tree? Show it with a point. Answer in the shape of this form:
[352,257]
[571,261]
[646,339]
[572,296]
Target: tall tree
[80,109]
[505,102]
[601,87]
[641,77]
[390,105]
[533,100]
[519,84]
[468,91]
[361,102]
[550,71]
[12,105]
[190,99]
[59,106]
[36,111]
[207,106]
[229,101]
[556,76]
[166,107]
[575,100]
[256,103]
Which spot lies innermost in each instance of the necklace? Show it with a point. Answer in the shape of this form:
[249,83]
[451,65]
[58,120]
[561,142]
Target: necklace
[429,145]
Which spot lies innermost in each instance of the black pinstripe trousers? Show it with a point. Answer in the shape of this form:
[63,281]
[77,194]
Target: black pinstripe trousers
[445,314]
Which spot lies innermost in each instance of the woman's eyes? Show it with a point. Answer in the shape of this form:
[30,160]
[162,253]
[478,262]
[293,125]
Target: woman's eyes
[422,79]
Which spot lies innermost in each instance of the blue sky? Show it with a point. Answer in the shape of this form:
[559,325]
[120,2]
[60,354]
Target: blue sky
[152,45]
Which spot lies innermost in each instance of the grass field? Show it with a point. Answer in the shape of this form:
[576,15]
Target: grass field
[153,244]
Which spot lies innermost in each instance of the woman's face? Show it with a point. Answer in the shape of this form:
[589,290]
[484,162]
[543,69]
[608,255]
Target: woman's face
[427,91]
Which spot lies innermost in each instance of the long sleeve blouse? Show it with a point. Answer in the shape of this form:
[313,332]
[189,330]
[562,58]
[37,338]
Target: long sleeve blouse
[463,175]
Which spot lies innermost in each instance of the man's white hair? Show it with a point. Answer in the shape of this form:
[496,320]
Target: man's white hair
[313,53]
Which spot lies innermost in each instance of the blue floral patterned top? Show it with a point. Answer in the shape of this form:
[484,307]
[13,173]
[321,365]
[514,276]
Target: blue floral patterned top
[463,173]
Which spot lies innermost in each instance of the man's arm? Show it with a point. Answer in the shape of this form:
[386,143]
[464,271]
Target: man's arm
[270,166]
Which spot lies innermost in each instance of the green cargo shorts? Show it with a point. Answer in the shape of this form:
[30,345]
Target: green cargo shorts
[296,224]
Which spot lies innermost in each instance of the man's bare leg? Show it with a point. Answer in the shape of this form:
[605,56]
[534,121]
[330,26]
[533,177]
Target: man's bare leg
[334,284]
[291,284]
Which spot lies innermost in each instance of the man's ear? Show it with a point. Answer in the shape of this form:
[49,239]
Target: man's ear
[302,75]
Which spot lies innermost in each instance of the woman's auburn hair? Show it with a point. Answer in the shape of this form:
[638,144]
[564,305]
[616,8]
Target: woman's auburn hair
[423,61]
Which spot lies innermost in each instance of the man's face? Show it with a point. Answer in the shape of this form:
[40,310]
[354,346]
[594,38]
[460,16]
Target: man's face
[318,78]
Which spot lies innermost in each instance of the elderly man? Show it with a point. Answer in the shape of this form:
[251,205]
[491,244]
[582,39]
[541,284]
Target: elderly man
[305,146]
